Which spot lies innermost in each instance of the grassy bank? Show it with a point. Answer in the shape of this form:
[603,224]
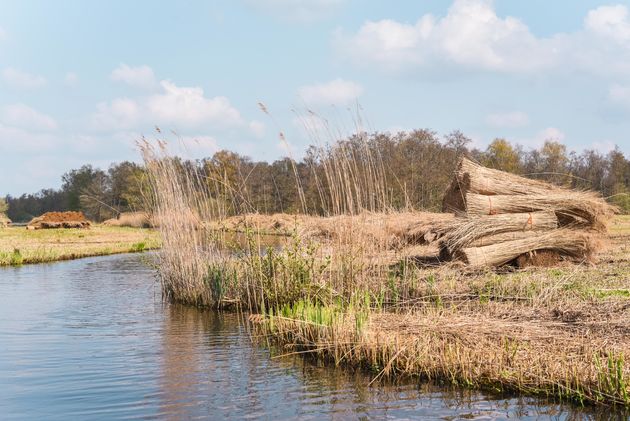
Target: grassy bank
[357,289]
[21,246]
[559,332]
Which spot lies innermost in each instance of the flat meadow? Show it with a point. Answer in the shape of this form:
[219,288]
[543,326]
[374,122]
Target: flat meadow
[21,246]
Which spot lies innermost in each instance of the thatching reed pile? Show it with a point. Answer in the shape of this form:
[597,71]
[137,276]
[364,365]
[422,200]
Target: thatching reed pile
[51,220]
[502,216]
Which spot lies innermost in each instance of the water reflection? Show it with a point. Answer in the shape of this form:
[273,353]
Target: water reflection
[91,339]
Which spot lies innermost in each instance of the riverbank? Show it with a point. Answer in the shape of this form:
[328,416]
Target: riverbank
[561,332]
[21,246]
[90,324]
[372,289]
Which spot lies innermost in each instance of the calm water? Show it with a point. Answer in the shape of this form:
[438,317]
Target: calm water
[91,339]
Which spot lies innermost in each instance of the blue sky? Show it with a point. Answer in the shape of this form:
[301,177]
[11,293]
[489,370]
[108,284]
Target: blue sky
[81,81]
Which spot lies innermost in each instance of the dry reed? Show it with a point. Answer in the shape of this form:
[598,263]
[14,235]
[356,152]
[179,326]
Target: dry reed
[568,242]
[503,237]
[342,289]
[476,178]
[464,231]
[572,207]
[130,219]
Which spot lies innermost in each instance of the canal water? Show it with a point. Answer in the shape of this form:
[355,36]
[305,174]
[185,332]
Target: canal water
[92,339]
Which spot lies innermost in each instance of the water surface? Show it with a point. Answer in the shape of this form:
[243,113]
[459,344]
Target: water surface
[91,339]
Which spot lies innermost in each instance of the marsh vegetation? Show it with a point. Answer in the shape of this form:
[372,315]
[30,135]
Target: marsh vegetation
[345,289]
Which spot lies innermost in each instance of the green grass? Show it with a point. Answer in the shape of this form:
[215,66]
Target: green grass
[21,246]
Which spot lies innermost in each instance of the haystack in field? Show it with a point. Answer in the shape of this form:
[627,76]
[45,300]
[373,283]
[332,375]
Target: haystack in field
[4,221]
[503,217]
[59,220]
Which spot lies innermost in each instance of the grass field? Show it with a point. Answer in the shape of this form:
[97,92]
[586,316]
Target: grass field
[21,246]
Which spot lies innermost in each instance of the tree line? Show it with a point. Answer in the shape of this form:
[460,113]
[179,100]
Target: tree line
[365,171]
[99,194]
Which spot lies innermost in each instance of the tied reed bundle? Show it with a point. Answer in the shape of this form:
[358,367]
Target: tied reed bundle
[471,177]
[503,237]
[467,230]
[476,178]
[568,242]
[572,207]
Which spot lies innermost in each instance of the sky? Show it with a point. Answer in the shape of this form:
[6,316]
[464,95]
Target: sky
[82,81]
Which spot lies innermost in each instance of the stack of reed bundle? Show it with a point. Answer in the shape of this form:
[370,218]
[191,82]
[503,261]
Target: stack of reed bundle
[502,216]
[69,219]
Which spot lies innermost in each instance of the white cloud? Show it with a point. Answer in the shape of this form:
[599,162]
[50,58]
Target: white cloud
[19,79]
[188,106]
[120,113]
[610,22]
[535,140]
[16,141]
[45,156]
[508,119]
[257,128]
[298,10]
[538,140]
[20,115]
[473,36]
[336,91]
[138,77]
[551,133]
[71,79]
[175,107]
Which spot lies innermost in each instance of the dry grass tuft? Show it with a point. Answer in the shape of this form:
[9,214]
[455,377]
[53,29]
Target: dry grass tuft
[130,219]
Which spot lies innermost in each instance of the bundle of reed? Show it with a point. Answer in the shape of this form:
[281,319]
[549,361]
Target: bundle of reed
[471,177]
[568,242]
[583,208]
[464,231]
[476,178]
[503,237]
[503,216]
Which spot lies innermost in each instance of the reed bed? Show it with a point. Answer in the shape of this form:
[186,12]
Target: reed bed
[538,357]
[358,285]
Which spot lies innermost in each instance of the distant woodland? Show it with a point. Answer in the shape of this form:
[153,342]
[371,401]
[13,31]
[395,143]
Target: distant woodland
[415,168]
